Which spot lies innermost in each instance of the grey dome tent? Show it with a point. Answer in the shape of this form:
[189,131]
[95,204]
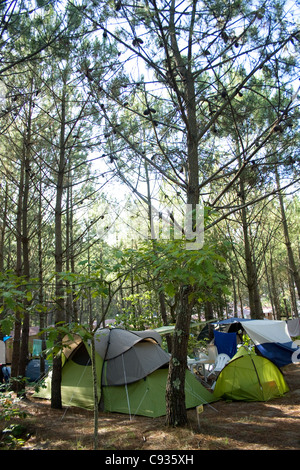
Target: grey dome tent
[132,371]
[128,356]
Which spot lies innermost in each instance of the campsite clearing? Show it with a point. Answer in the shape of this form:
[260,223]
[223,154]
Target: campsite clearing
[273,425]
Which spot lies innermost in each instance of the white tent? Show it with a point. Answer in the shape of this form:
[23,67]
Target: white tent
[294,327]
[271,331]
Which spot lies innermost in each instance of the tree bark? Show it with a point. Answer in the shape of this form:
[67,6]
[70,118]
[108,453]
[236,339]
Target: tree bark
[292,265]
[3,228]
[43,314]
[59,288]
[15,386]
[175,391]
[274,291]
[25,240]
[255,305]
[175,394]
[252,281]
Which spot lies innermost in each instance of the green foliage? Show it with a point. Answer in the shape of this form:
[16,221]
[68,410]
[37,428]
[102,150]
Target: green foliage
[139,314]
[84,285]
[15,292]
[175,267]
[14,434]
[8,409]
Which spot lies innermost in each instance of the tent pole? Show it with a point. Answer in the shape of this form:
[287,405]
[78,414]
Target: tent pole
[259,382]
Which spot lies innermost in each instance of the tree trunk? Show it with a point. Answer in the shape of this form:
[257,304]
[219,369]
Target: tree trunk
[42,313]
[3,228]
[293,268]
[209,315]
[163,312]
[161,293]
[175,394]
[294,307]
[18,322]
[269,284]
[274,290]
[235,300]
[25,248]
[240,297]
[59,288]
[252,281]
[175,391]
[25,241]
[256,311]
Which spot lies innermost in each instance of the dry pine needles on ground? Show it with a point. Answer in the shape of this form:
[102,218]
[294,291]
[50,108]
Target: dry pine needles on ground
[273,425]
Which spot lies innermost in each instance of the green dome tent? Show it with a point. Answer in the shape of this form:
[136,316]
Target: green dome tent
[132,371]
[249,377]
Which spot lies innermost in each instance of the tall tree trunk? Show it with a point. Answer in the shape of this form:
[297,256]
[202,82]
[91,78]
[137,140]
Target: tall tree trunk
[274,290]
[235,301]
[42,315]
[209,315]
[293,268]
[294,306]
[175,394]
[269,284]
[255,305]
[59,288]
[3,228]
[25,240]
[240,298]
[18,322]
[175,390]
[25,249]
[161,294]
[163,312]
[252,281]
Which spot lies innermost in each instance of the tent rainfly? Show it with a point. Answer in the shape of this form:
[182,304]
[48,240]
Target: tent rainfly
[132,371]
[249,377]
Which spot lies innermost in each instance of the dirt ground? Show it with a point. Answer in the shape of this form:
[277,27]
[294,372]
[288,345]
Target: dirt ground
[274,425]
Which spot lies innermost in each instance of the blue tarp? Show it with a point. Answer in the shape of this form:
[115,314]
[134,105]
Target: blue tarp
[280,354]
[225,343]
[230,320]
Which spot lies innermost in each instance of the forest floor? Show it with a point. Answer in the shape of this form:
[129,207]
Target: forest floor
[274,425]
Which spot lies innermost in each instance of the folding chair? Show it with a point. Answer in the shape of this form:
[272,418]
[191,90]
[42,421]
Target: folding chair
[221,361]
